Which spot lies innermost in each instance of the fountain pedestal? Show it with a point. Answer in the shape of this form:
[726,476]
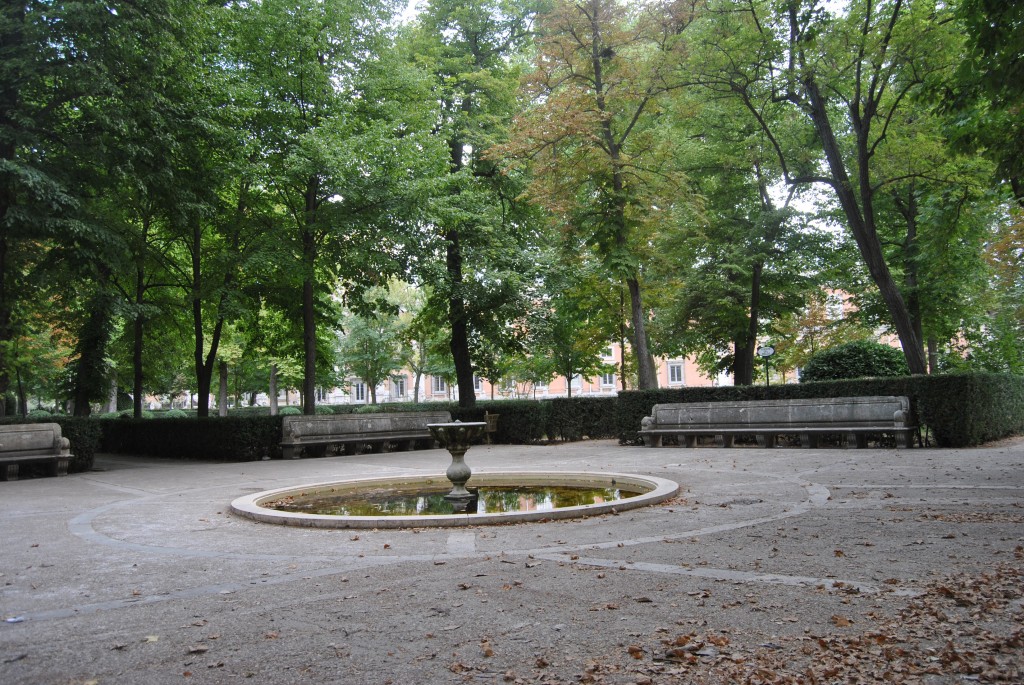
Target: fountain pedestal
[456,438]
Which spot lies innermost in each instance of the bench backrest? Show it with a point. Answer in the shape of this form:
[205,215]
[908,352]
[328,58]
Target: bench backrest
[297,428]
[848,411]
[33,439]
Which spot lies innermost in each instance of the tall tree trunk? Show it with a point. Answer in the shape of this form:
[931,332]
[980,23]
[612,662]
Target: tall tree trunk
[458,319]
[859,212]
[90,372]
[309,255]
[204,364]
[745,345]
[272,391]
[222,390]
[138,334]
[5,313]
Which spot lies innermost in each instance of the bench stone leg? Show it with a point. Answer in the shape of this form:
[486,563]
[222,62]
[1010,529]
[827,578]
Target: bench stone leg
[725,440]
[808,440]
[59,467]
[688,440]
[9,472]
[382,447]
[652,440]
[290,452]
[904,439]
[766,440]
[858,440]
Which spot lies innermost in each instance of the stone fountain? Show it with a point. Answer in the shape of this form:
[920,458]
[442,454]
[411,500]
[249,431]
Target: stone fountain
[456,438]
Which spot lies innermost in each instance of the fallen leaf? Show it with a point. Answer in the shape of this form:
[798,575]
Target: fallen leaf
[151,638]
[841,621]
[198,649]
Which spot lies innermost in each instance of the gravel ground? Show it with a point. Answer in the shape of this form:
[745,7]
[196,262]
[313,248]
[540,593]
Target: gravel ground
[770,566]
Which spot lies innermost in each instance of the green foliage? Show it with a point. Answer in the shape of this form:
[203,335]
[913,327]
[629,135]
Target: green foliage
[858,359]
[573,419]
[289,411]
[214,439]
[958,410]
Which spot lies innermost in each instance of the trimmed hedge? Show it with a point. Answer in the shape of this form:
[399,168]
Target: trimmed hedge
[959,410]
[231,438]
[582,417]
[83,434]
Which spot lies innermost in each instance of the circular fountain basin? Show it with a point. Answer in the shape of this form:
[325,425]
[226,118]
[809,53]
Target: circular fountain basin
[633,491]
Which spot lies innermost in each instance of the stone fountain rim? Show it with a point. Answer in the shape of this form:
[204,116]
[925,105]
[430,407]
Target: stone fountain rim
[660,490]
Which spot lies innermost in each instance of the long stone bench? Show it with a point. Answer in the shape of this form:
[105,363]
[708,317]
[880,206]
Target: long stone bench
[313,434]
[852,418]
[32,443]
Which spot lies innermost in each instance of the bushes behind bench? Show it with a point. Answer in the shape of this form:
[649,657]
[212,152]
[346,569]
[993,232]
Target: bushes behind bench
[957,409]
[249,436]
[230,438]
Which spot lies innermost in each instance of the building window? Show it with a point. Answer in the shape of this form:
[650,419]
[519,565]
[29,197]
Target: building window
[607,353]
[399,386]
[607,380]
[478,383]
[675,372]
[437,385]
[359,391]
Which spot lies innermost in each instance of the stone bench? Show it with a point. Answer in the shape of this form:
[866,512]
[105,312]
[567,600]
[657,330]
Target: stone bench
[313,434]
[31,443]
[852,418]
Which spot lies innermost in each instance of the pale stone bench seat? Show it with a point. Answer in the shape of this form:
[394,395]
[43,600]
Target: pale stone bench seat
[33,442]
[314,434]
[852,418]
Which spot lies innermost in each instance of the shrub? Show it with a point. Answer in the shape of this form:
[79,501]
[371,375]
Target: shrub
[244,438]
[39,414]
[174,414]
[858,359]
[289,411]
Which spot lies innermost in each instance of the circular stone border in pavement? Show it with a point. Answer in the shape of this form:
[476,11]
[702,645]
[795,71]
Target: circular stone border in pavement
[653,490]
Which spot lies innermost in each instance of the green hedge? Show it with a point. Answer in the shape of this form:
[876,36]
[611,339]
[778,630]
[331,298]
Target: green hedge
[958,410]
[83,434]
[582,417]
[231,438]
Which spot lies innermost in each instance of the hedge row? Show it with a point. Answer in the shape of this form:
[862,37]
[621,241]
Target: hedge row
[957,410]
[231,438]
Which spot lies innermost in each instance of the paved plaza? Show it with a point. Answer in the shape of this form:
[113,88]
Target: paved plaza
[770,566]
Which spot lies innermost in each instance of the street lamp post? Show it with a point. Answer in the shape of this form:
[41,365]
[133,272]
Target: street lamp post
[765,351]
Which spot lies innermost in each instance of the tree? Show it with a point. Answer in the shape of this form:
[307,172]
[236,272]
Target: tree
[370,350]
[985,95]
[472,49]
[744,258]
[848,74]
[571,324]
[603,70]
[65,99]
[341,126]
